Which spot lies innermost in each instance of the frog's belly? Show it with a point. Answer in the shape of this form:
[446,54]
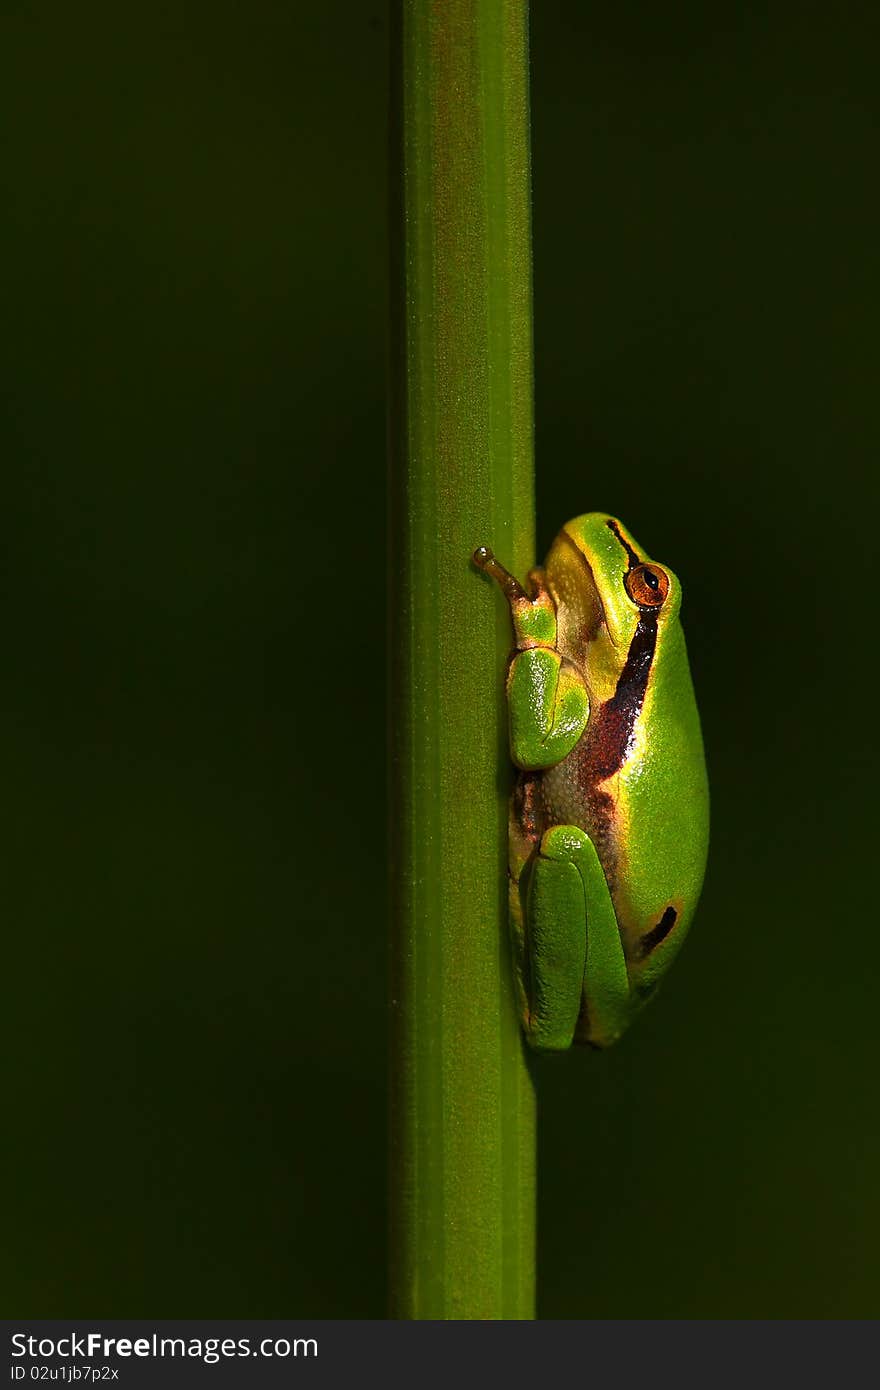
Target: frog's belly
[572,797]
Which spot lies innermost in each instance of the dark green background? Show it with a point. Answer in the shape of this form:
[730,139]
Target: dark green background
[192,611]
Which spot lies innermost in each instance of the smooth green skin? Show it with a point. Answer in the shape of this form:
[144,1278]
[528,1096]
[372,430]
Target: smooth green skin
[598,863]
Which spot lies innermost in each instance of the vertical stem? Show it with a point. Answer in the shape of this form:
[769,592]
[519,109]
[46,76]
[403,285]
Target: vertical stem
[463,1122]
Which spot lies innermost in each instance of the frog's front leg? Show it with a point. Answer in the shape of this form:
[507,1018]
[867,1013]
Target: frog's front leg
[547,700]
[573,962]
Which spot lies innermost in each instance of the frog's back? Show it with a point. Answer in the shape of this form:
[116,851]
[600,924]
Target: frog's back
[662,816]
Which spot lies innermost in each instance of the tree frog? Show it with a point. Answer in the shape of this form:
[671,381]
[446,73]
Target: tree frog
[609,819]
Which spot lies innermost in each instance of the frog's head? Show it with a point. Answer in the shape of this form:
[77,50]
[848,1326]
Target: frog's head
[605,584]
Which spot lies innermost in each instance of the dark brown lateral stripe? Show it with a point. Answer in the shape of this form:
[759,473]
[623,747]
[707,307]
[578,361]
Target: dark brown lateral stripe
[659,933]
[631,555]
[610,733]
[608,738]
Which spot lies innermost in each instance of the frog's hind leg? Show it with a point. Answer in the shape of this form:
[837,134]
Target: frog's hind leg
[552,945]
[574,960]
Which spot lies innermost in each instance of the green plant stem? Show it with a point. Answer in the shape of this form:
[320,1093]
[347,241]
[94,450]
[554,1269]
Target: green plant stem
[463,1113]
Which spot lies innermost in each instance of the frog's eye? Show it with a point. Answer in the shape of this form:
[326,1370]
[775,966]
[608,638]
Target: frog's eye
[647,585]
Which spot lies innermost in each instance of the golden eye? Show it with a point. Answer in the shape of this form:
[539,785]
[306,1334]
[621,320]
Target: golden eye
[647,585]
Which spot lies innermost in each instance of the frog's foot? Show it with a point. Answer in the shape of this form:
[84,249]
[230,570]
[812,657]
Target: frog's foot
[484,559]
[576,985]
[533,613]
